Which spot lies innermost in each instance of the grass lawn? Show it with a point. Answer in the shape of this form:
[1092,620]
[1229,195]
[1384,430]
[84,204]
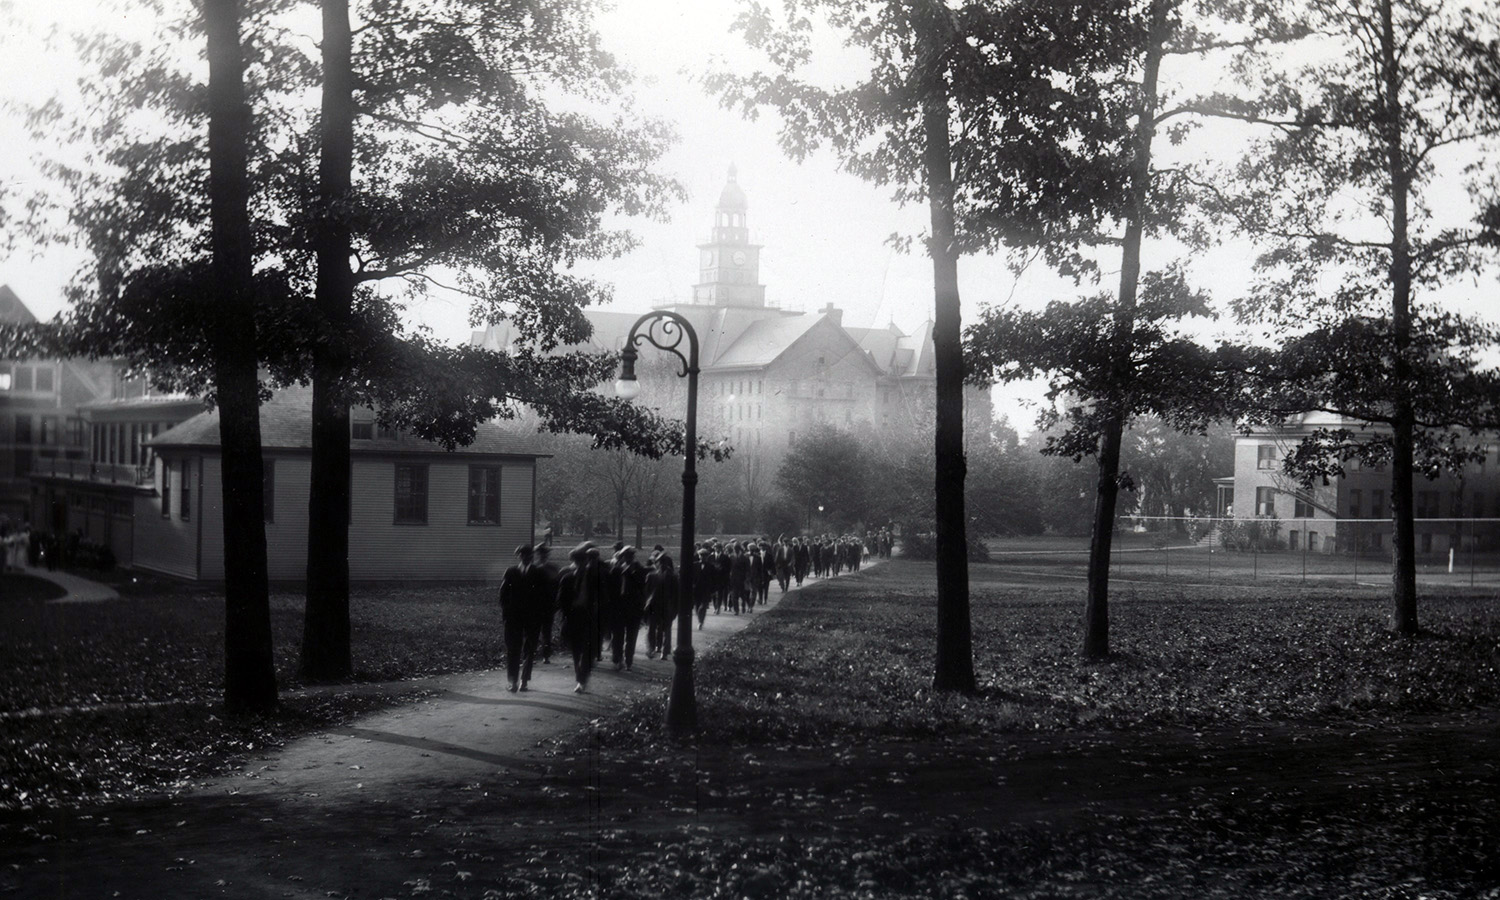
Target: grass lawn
[101,700]
[18,586]
[1242,743]
[1261,741]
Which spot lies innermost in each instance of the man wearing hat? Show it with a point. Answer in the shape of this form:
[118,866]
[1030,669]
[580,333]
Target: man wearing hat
[518,608]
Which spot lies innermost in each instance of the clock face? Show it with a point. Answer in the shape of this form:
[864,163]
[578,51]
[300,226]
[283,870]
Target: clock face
[739,257]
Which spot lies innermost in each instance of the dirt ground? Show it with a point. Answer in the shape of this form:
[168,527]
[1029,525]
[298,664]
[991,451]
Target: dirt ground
[477,792]
[461,831]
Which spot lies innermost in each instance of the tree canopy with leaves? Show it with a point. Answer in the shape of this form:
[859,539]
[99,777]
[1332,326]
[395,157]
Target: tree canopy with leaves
[1122,354]
[1354,192]
[459,164]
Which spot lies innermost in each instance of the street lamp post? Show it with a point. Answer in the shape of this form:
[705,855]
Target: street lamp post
[667,331]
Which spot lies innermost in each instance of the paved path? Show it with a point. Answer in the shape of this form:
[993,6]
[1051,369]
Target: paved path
[80,590]
[473,726]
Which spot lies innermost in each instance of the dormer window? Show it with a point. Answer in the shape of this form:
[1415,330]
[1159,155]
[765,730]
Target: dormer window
[362,423]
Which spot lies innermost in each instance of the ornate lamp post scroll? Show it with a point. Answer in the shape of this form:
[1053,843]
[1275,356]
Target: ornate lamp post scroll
[667,331]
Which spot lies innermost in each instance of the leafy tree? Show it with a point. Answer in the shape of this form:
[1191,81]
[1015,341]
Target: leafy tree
[1174,471]
[1348,200]
[827,467]
[138,201]
[894,128]
[443,147]
[1120,355]
[1002,495]
[249,670]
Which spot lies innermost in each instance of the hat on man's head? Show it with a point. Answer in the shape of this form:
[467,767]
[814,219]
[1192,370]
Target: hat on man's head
[523,551]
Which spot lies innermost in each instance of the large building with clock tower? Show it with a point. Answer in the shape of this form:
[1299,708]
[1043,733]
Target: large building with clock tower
[768,373]
[729,265]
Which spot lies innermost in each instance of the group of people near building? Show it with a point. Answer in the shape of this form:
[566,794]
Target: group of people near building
[610,600]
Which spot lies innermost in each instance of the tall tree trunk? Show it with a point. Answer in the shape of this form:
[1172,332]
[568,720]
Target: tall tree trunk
[326,652]
[249,669]
[955,643]
[1404,572]
[1096,604]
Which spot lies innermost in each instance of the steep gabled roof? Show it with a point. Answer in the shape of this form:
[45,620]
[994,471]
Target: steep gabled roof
[765,340]
[914,353]
[286,424]
[880,344]
[12,310]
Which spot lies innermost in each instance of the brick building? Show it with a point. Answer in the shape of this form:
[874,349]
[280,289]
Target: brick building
[768,373]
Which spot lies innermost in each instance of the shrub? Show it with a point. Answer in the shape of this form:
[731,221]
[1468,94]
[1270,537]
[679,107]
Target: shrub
[923,545]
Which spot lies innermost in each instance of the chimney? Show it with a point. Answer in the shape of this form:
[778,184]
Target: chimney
[837,315]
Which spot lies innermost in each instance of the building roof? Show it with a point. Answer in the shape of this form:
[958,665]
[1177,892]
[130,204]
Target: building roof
[732,198]
[286,424]
[764,340]
[12,310]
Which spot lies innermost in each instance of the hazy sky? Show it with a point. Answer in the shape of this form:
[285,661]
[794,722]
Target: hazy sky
[824,232]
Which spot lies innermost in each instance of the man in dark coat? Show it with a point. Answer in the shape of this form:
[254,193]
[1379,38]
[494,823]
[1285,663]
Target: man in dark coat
[703,584]
[783,563]
[548,573]
[661,606]
[578,595]
[739,580]
[517,611]
[801,559]
[630,608]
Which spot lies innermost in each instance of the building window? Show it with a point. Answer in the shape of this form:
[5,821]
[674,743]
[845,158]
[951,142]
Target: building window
[166,490]
[1301,509]
[361,431]
[387,433]
[75,432]
[44,379]
[411,494]
[1427,542]
[1265,456]
[1356,500]
[185,492]
[1294,540]
[1312,541]
[484,495]
[23,429]
[1377,504]
[22,461]
[268,489]
[1427,504]
[48,433]
[23,378]
[1265,501]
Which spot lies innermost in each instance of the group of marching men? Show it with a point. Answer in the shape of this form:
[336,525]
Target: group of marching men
[613,598]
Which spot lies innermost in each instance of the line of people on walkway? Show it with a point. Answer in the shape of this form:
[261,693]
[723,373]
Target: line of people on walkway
[611,600]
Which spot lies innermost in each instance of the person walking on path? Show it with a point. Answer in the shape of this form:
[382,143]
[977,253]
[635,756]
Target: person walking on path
[579,592]
[630,608]
[661,606]
[519,589]
[547,574]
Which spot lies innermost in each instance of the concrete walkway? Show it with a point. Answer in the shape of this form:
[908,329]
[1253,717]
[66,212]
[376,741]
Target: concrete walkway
[80,590]
[472,726]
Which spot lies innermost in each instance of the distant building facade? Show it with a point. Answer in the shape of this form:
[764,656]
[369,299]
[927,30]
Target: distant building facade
[417,512]
[41,418]
[770,374]
[1352,512]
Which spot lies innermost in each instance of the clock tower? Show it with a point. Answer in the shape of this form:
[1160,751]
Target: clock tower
[729,265]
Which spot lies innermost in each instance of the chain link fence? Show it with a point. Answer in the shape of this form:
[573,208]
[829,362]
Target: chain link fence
[1452,551]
